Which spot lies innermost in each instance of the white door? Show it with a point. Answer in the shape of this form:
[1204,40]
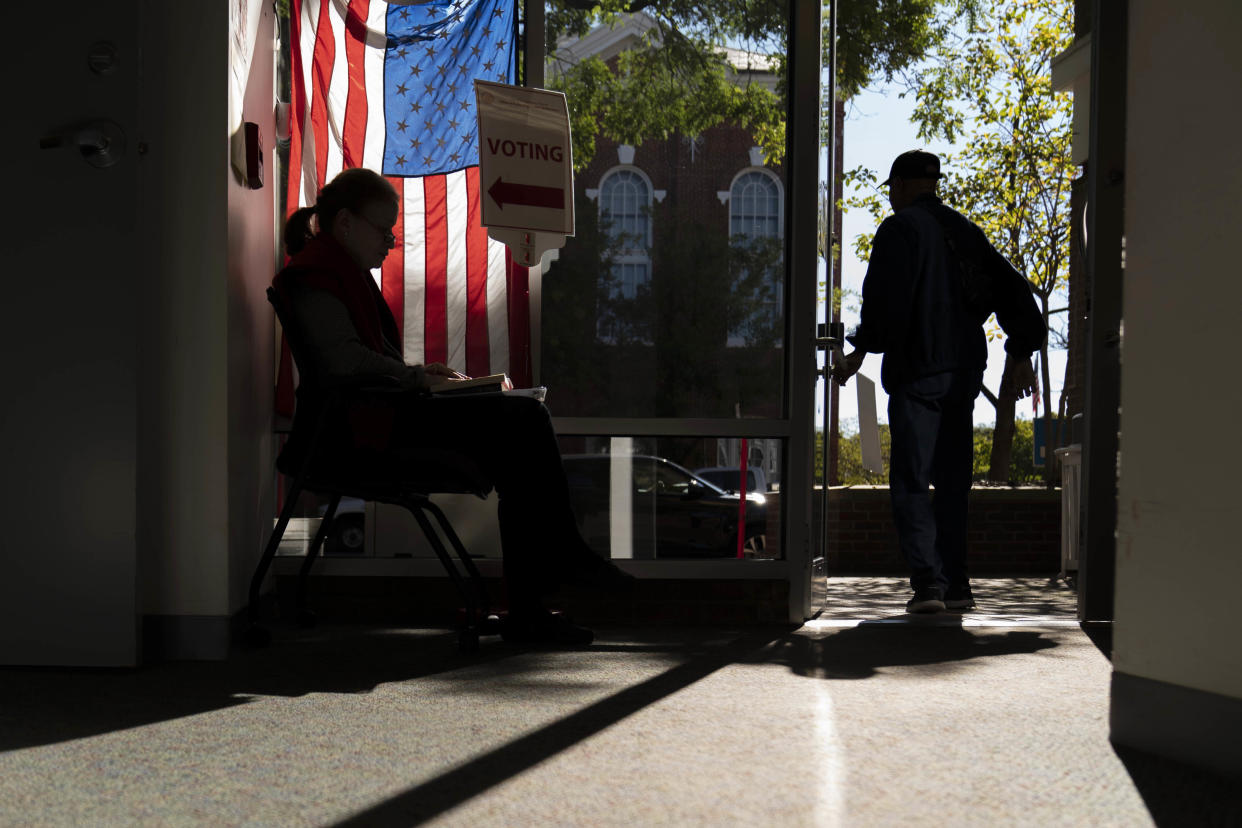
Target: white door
[71,310]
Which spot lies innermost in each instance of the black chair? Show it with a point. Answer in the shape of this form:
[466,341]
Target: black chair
[318,463]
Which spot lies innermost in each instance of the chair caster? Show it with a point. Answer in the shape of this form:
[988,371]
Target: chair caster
[256,636]
[307,619]
[468,641]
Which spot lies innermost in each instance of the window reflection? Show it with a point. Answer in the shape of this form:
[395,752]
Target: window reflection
[668,301]
[632,501]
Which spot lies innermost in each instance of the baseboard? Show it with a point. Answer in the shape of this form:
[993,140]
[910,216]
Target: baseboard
[1181,723]
[186,637]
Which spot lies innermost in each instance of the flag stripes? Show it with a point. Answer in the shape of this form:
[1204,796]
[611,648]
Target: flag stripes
[367,74]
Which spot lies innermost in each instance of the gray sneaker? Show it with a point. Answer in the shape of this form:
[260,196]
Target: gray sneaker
[959,598]
[926,600]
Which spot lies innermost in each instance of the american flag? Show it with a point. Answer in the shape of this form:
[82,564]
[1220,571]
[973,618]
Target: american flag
[390,87]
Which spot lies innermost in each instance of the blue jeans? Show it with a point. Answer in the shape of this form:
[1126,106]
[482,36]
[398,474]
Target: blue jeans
[932,427]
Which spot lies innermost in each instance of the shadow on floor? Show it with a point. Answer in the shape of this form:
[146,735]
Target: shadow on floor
[461,784]
[1178,795]
[860,652]
[41,706]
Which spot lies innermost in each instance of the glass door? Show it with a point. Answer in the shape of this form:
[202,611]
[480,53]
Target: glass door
[675,330]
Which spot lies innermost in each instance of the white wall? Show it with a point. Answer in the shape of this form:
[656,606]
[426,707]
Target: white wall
[183,476]
[1179,538]
[251,266]
[205,479]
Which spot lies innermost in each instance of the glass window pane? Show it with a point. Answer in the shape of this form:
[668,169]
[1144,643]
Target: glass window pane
[669,300]
[675,498]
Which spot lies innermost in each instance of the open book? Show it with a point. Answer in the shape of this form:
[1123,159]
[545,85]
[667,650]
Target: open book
[491,384]
[477,385]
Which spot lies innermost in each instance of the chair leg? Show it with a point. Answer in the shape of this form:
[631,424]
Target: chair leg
[476,578]
[273,543]
[305,617]
[416,508]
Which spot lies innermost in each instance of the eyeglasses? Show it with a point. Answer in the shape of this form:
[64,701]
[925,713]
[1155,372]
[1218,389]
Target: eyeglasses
[384,232]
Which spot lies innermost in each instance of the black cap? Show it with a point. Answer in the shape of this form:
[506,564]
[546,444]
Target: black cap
[914,164]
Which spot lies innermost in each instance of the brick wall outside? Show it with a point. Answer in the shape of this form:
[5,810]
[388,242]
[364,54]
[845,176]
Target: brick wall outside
[1011,531]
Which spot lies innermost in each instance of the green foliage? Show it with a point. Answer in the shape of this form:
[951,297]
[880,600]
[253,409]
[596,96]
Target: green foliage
[677,80]
[988,90]
[1022,471]
[849,459]
[884,38]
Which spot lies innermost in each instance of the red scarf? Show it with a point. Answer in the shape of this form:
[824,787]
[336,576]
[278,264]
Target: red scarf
[325,265]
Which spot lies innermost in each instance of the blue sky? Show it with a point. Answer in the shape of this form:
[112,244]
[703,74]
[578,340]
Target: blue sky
[877,129]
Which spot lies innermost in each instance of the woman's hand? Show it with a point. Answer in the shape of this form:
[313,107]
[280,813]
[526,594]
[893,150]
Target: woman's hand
[441,371]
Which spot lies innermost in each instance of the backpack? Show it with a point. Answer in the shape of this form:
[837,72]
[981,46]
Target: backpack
[978,293]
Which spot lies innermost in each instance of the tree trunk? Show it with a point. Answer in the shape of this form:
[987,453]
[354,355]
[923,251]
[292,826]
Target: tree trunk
[1002,434]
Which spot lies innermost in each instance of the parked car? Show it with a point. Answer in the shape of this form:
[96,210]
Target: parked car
[675,513]
[729,478]
[348,537]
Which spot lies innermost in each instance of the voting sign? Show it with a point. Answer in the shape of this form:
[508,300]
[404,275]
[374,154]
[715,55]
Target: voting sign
[525,159]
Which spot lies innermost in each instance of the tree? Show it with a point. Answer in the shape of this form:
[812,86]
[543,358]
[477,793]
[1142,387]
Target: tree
[678,80]
[1020,472]
[989,91]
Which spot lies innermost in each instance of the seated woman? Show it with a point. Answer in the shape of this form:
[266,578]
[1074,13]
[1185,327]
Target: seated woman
[350,332]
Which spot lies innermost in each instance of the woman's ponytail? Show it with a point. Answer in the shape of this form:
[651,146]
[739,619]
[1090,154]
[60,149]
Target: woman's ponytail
[298,230]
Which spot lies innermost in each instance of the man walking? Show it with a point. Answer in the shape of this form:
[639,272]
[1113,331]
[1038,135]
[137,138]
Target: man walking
[932,281]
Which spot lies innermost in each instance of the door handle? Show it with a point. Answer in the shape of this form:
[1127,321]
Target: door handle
[101,143]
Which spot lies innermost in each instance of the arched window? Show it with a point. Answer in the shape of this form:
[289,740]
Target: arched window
[625,215]
[755,206]
[755,221]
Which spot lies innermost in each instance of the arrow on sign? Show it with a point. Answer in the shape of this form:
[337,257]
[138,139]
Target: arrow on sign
[527,195]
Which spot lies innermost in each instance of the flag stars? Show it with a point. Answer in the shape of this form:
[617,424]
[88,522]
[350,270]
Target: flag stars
[402,126]
[402,89]
[440,107]
[400,160]
[415,107]
[465,105]
[416,69]
[475,51]
[456,157]
[402,52]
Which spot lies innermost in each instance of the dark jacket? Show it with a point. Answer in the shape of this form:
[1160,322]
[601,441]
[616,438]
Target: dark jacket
[344,329]
[913,309]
